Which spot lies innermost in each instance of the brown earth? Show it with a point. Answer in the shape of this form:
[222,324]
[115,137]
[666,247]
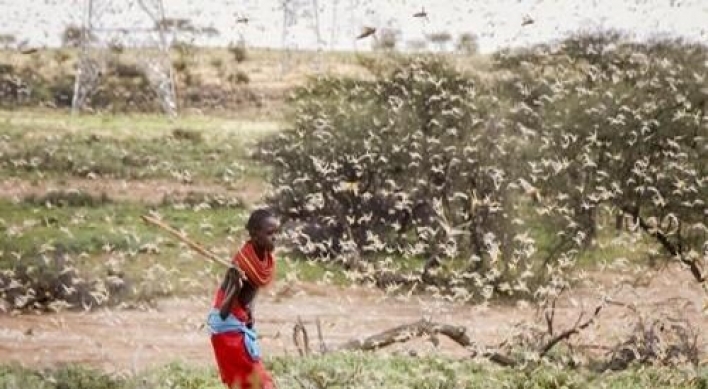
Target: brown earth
[133,340]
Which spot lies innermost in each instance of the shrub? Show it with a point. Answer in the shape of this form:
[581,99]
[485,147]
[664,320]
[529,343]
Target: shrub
[239,77]
[613,128]
[188,135]
[62,198]
[412,164]
[239,52]
[53,283]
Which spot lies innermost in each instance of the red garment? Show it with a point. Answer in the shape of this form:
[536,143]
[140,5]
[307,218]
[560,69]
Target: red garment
[236,367]
[259,272]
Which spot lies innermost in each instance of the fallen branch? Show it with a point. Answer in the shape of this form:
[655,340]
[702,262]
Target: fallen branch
[406,332]
[570,332]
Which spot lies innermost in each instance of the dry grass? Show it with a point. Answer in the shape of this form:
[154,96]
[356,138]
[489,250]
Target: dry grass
[264,67]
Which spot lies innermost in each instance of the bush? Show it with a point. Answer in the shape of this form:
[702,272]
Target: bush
[239,77]
[239,52]
[62,198]
[613,129]
[53,283]
[197,199]
[358,371]
[66,377]
[6,68]
[413,164]
[188,135]
[125,70]
[62,91]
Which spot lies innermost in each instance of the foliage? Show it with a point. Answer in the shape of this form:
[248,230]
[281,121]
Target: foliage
[440,38]
[427,162]
[238,51]
[61,198]
[618,128]
[467,43]
[60,257]
[73,36]
[386,39]
[357,371]
[414,163]
[50,282]
[239,77]
[179,155]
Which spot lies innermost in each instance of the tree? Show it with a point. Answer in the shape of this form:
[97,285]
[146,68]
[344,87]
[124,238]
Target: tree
[73,35]
[183,31]
[467,43]
[417,45]
[386,39]
[412,164]
[441,39]
[7,41]
[621,129]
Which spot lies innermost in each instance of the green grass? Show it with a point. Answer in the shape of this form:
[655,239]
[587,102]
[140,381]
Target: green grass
[114,234]
[114,226]
[134,126]
[354,370]
[48,144]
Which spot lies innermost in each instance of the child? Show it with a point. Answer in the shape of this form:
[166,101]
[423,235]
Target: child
[231,318]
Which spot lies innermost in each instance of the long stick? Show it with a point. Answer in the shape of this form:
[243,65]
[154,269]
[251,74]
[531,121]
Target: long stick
[194,245]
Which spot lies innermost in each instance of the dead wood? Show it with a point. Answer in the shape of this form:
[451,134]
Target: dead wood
[569,332]
[302,342]
[406,332]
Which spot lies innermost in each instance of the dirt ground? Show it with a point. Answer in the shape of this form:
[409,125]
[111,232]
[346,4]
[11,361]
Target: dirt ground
[125,341]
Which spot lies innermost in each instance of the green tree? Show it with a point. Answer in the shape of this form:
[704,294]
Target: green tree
[622,129]
[411,164]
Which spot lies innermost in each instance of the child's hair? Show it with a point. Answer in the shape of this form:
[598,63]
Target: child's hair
[255,221]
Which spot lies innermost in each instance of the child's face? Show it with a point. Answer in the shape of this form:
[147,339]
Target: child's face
[264,237]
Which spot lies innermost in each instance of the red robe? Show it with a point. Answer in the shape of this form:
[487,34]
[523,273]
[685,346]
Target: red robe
[236,367]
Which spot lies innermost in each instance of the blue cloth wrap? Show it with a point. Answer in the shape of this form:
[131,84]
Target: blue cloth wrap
[232,324]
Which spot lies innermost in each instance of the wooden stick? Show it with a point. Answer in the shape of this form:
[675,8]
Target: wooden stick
[194,245]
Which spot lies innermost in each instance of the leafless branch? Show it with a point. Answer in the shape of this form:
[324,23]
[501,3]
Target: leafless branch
[570,332]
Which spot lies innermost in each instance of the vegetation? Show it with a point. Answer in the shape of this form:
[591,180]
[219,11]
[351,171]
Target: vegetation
[470,179]
[498,187]
[359,371]
[181,154]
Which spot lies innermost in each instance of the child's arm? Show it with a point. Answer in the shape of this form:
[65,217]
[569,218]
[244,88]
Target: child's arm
[231,287]
[251,318]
